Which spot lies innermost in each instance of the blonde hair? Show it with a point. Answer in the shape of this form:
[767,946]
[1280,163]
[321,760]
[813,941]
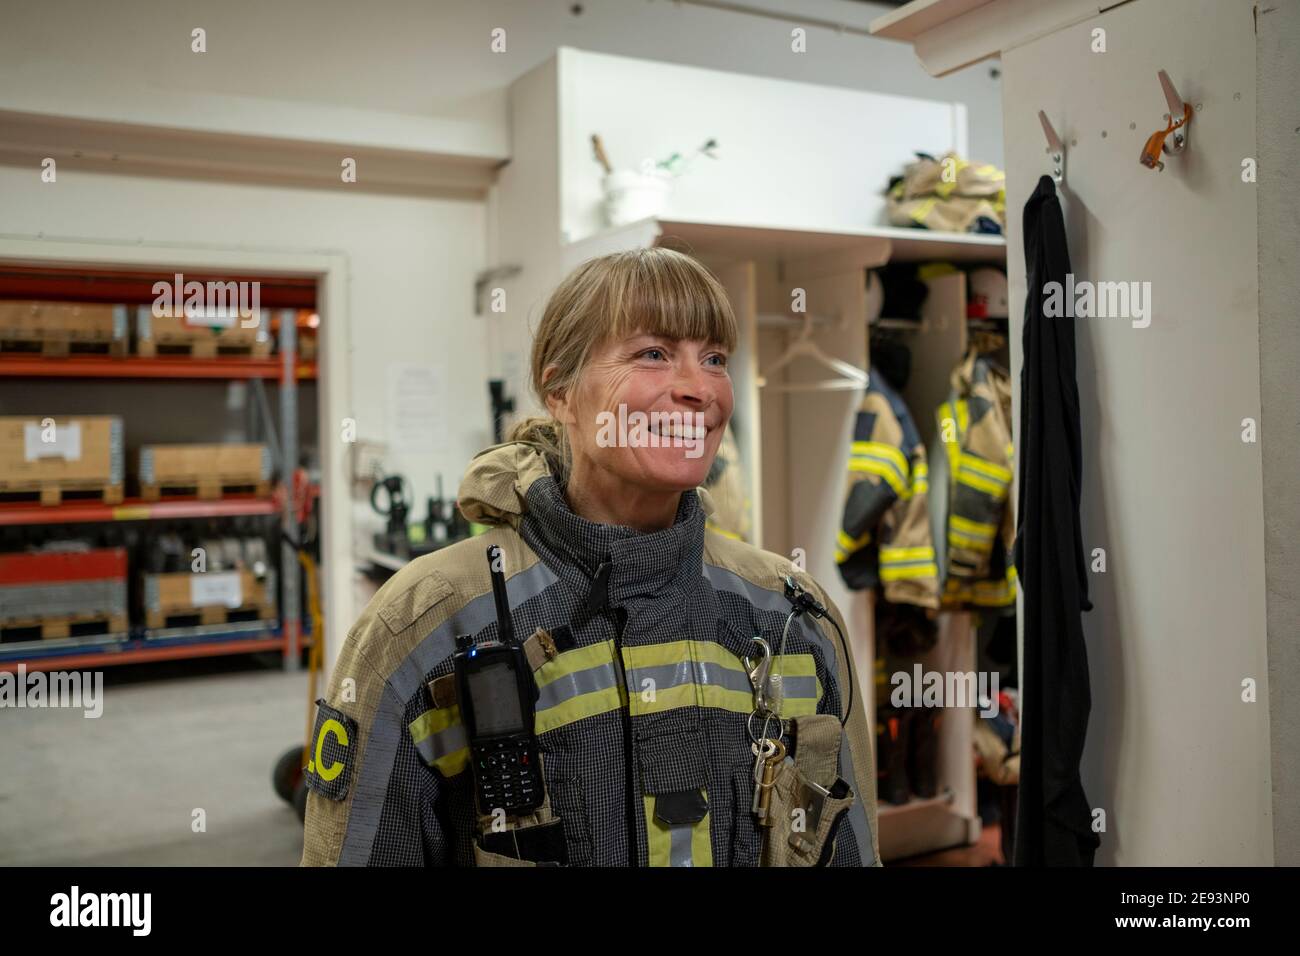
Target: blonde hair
[654,291]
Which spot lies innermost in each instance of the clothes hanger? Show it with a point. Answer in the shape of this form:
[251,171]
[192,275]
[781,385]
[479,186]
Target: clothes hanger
[849,376]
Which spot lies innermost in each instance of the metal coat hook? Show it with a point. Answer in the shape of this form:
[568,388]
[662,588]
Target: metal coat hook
[1173,138]
[1055,148]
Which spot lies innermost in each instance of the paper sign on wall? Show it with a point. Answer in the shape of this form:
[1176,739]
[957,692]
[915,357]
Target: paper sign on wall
[216,588]
[417,409]
[57,441]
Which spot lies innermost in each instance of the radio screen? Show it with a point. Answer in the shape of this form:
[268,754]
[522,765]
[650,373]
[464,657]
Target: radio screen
[495,696]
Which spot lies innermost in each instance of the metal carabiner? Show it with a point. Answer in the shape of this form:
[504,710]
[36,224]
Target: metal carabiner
[758,673]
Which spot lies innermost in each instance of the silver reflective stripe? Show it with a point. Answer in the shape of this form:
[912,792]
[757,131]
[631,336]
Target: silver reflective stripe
[567,686]
[766,600]
[704,673]
[442,743]
[799,687]
[370,783]
[679,851]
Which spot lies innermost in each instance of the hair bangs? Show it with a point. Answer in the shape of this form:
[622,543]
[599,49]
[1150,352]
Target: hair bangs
[661,292]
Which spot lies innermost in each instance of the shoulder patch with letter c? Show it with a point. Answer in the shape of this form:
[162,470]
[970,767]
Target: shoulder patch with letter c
[329,768]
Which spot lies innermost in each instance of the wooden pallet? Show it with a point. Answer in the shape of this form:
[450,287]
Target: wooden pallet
[205,489]
[184,617]
[203,348]
[60,626]
[50,493]
[55,346]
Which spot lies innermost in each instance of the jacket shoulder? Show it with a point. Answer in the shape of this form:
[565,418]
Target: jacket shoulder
[754,568]
[430,590]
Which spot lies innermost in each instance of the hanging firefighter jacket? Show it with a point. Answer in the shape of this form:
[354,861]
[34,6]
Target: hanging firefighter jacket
[884,536]
[975,425]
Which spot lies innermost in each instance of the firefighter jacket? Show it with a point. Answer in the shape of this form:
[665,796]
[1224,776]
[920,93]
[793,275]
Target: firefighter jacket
[948,194]
[884,537]
[643,697]
[975,427]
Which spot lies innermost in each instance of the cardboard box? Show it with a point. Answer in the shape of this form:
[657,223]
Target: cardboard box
[52,455]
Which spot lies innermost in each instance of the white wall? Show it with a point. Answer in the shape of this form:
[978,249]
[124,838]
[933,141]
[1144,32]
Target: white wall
[1179,763]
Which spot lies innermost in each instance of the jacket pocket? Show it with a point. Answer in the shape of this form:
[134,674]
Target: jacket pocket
[805,820]
[678,806]
[564,787]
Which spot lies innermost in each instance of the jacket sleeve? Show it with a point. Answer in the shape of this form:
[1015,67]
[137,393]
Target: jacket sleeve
[856,748]
[371,800]
[980,482]
[878,475]
[908,570]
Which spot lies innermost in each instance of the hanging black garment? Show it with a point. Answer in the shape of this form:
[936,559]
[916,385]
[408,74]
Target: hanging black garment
[1054,819]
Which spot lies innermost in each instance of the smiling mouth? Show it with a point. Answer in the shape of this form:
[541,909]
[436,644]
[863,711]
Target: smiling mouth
[679,431]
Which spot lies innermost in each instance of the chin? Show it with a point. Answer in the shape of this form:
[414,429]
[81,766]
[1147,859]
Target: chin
[670,468]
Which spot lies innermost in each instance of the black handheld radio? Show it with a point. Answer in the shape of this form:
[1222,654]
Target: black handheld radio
[498,697]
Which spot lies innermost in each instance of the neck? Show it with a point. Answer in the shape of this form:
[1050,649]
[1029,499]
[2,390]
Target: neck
[604,498]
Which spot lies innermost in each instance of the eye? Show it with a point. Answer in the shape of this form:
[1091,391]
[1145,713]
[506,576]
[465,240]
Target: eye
[721,359]
[652,353]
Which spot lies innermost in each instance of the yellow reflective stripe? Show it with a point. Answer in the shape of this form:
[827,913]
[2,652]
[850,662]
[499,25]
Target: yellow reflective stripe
[909,572]
[972,528]
[981,484]
[578,708]
[852,544]
[710,526]
[879,449]
[796,665]
[693,846]
[920,478]
[958,539]
[988,468]
[717,679]
[608,695]
[921,211]
[883,470]
[893,555]
[434,721]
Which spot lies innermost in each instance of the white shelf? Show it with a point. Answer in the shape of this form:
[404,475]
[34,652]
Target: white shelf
[759,241]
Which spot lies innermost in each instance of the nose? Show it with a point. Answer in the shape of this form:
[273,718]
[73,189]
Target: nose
[693,386]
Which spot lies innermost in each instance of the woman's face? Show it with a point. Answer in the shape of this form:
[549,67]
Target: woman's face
[650,411]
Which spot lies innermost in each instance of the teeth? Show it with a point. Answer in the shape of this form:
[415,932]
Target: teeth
[679,431]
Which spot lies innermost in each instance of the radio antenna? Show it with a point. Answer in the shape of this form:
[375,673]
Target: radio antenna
[505,629]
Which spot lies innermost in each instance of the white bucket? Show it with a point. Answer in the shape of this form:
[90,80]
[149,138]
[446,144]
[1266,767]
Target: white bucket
[631,195]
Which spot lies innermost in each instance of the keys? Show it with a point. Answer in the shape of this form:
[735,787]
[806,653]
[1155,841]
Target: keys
[761,756]
[771,765]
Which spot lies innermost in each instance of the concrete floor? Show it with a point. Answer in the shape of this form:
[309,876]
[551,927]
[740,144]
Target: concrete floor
[121,790]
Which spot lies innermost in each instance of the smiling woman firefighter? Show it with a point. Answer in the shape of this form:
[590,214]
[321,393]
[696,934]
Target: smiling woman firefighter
[599,679]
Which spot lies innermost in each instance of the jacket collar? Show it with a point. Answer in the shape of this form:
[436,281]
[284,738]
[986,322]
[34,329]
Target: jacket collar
[511,484]
[640,564]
